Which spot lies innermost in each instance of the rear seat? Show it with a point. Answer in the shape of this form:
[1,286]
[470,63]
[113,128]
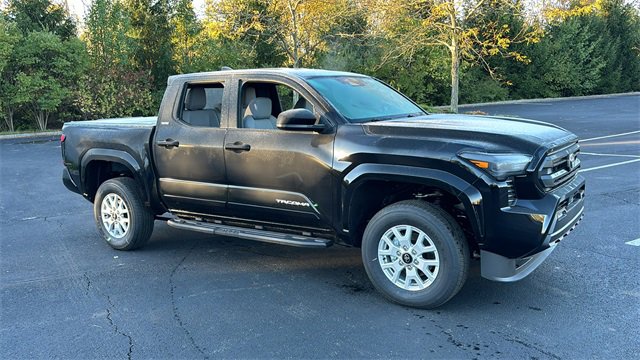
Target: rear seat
[195,112]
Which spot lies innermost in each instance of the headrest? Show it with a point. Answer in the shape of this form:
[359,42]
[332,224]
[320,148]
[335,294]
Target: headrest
[259,108]
[196,99]
[248,95]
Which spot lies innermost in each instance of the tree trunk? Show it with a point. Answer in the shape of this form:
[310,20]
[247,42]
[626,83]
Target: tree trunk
[293,10]
[455,73]
[8,118]
[42,117]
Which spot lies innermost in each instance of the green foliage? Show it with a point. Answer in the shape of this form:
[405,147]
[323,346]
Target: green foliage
[41,61]
[108,34]
[186,29]
[9,39]
[477,87]
[112,87]
[48,70]
[151,29]
[622,37]
[115,92]
[582,53]
[574,57]
[41,15]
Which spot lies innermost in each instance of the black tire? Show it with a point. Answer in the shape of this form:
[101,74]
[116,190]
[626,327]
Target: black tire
[140,218]
[443,232]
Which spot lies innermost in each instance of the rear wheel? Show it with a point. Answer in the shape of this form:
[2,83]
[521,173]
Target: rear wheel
[120,215]
[415,254]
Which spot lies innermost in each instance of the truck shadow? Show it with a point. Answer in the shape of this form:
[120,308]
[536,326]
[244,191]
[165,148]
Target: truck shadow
[337,267]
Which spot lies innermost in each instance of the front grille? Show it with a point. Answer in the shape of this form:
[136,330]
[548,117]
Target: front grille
[560,166]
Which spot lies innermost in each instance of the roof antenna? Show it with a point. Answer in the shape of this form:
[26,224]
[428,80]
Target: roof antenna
[225,68]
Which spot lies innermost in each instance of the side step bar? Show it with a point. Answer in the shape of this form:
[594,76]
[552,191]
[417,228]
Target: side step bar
[250,234]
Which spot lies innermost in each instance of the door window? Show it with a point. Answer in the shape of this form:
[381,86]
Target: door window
[202,105]
[263,102]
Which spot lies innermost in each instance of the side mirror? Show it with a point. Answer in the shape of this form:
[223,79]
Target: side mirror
[298,120]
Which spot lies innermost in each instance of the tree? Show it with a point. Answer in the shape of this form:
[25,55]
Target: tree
[232,31]
[186,29]
[456,25]
[41,15]
[9,39]
[300,29]
[48,70]
[622,36]
[112,86]
[108,34]
[45,61]
[151,29]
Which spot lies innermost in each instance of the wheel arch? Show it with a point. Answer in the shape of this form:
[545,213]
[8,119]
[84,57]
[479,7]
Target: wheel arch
[99,165]
[370,187]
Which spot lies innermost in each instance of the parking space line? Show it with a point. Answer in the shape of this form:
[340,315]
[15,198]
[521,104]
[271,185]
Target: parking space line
[610,136]
[610,165]
[635,242]
[619,155]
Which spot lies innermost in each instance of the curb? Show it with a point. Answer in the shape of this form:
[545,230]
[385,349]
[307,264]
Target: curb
[539,100]
[31,135]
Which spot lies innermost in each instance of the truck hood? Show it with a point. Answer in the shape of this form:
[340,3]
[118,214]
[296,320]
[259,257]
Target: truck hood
[486,133]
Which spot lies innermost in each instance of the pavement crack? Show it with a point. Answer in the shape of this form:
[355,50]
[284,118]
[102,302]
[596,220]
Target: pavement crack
[88,286]
[109,310]
[174,305]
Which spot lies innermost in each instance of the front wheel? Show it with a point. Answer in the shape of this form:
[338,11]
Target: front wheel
[120,215]
[415,254]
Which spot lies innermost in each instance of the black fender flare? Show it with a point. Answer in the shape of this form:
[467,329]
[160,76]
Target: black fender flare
[115,156]
[464,191]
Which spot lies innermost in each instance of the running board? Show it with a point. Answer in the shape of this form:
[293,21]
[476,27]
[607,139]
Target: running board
[250,234]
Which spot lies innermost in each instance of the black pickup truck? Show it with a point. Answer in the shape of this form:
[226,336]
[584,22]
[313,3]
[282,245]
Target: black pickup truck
[310,158]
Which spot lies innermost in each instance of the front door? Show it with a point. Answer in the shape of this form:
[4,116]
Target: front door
[188,152]
[274,175]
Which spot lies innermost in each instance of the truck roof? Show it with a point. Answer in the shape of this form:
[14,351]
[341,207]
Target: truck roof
[289,72]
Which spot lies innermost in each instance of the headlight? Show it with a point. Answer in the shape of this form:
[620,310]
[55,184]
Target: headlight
[498,165]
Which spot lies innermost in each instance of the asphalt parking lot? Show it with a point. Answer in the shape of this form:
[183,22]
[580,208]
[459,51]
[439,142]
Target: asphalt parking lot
[65,294]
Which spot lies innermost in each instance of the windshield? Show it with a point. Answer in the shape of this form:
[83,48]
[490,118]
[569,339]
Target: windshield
[361,99]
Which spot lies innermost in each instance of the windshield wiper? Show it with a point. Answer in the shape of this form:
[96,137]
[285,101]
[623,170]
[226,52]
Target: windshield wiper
[392,117]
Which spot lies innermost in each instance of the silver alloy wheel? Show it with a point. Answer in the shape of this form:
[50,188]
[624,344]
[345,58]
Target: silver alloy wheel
[115,215]
[408,257]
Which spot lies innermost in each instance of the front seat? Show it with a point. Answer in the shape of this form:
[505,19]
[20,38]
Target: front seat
[195,113]
[258,115]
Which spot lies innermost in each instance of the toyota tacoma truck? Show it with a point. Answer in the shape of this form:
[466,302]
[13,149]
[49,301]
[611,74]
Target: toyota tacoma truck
[310,158]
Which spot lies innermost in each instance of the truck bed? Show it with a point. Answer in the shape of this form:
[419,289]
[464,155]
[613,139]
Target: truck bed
[124,141]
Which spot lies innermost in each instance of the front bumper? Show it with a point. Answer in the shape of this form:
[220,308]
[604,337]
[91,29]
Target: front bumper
[530,231]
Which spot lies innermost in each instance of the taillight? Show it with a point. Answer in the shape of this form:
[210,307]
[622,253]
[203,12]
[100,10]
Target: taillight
[63,137]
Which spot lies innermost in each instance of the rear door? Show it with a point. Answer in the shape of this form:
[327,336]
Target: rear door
[188,149]
[274,175]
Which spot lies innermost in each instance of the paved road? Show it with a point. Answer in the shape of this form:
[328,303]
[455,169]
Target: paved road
[64,293]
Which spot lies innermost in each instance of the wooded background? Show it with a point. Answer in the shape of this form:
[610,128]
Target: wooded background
[115,62]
